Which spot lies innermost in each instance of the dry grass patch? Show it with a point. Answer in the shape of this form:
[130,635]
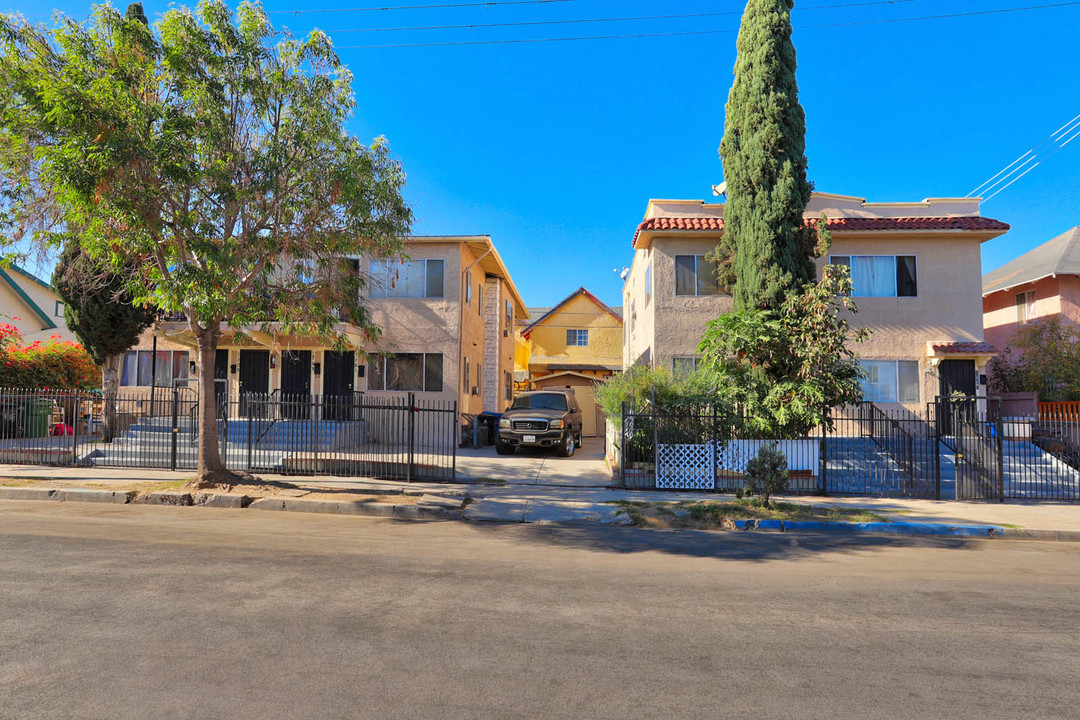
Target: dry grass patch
[716,514]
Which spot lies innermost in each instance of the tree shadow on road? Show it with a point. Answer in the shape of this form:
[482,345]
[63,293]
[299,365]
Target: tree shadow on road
[725,545]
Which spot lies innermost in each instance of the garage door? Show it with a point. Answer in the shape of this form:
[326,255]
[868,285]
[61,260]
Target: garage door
[585,398]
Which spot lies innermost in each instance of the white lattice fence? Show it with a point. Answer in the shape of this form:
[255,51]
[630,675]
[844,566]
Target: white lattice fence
[685,467]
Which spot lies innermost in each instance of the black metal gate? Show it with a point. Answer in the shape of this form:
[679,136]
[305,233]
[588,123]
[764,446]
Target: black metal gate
[972,428]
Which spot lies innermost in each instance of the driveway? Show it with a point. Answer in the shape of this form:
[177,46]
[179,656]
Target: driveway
[587,468]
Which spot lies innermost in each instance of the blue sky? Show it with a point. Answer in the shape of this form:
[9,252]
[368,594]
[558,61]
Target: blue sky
[554,148]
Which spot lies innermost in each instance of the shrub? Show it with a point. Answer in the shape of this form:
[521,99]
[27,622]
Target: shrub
[54,364]
[638,385]
[766,473]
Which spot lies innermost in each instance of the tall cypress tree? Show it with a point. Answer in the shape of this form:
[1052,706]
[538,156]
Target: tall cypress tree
[766,242]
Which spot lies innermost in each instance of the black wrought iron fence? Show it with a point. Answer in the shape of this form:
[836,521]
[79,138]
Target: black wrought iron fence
[399,437]
[866,451]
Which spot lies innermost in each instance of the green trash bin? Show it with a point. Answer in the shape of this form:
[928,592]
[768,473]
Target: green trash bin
[38,413]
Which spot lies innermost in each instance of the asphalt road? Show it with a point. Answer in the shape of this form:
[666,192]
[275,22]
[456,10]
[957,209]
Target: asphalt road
[145,612]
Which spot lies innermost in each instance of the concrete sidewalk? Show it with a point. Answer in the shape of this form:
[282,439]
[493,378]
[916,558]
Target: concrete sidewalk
[551,503]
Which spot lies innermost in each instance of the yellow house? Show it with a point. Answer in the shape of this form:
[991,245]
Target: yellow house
[573,345]
[31,305]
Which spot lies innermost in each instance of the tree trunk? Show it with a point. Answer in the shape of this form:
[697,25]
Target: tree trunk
[110,384]
[211,470]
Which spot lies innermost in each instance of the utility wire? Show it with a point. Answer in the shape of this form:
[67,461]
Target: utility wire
[1040,160]
[417,7]
[1029,155]
[471,26]
[707,32]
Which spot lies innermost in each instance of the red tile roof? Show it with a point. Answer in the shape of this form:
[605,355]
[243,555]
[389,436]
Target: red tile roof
[964,348]
[835,224]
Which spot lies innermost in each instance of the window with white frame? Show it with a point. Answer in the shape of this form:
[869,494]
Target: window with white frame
[414,372]
[648,284]
[1025,307]
[468,287]
[577,338]
[465,376]
[479,378]
[695,275]
[880,275]
[141,370]
[411,278]
[683,366]
[891,380]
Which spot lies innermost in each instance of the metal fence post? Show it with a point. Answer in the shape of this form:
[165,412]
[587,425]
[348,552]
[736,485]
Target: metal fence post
[715,448]
[823,463]
[623,455]
[250,429]
[412,436]
[175,425]
[1000,427]
[75,432]
[454,425]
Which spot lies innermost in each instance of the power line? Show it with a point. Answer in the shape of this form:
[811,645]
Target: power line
[706,32]
[417,7]
[1032,152]
[471,26]
[1062,139]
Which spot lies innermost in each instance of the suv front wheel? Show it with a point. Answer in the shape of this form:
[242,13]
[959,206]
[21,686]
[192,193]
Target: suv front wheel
[566,447]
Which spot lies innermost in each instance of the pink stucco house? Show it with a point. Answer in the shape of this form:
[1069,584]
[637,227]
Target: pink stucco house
[1040,283]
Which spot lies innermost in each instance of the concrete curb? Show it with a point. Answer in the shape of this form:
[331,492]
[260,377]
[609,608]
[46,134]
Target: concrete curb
[442,508]
[352,507]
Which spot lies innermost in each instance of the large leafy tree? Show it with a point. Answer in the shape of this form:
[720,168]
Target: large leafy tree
[99,309]
[207,158]
[785,369]
[767,247]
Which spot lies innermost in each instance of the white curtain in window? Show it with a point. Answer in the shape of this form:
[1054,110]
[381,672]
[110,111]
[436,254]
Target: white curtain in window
[879,385]
[873,276]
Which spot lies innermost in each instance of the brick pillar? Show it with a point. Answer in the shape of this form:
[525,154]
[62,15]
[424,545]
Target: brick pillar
[492,335]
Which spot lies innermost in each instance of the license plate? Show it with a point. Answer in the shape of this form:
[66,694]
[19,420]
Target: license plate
[529,438]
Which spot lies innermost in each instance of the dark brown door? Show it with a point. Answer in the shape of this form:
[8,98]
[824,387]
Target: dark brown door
[957,376]
[296,384]
[339,369]
[254,379]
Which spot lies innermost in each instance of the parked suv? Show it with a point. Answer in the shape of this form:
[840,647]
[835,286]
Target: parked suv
[543,418]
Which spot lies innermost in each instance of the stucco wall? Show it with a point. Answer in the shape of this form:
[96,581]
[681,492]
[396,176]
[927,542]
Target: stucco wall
[548,340]
[422,325]
[1058,295]
[639,314]
[679,321]
[472,330]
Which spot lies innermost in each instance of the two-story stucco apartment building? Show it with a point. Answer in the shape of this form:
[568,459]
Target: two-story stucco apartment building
[917,281]
[447,315]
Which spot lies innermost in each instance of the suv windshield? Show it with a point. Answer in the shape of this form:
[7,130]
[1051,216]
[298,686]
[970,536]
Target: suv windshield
[540,401]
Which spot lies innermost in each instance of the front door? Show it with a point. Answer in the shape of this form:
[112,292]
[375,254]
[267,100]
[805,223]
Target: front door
[296,384]
[254,378]
[339,369]
[956,376]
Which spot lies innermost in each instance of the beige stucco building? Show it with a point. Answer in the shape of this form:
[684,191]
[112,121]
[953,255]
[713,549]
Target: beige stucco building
[917,283]
[447,315]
